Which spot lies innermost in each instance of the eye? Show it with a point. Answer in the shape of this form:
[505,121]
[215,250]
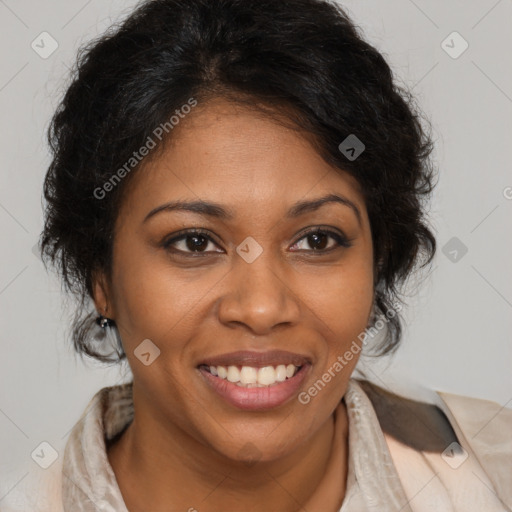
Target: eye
[318,239]
[194,241]
[197,242]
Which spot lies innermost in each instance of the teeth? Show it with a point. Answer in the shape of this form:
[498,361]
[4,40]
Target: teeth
[250,377]
[233,374]
[281,373]
[267,375]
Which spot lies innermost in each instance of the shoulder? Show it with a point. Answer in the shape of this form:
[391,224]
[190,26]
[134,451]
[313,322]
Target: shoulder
[486,427]
[33,488]
[428,421]
[483,421]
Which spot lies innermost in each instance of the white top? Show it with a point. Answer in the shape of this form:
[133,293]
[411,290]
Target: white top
[395,457]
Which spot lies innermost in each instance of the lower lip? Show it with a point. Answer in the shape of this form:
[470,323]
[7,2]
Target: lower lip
[256,398]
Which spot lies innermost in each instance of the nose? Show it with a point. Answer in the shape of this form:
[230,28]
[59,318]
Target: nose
[258,298]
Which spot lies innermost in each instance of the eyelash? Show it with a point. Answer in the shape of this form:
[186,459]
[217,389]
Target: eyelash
[341,240]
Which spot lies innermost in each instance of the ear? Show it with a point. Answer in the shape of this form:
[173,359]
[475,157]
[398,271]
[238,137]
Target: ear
[102,294]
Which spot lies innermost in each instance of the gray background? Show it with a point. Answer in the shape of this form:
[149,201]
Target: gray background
[457,337]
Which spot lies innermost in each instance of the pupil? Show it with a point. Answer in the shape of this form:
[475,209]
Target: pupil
[198,242]
[314,240]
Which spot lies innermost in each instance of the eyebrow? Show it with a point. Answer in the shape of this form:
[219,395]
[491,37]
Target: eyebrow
[218,211]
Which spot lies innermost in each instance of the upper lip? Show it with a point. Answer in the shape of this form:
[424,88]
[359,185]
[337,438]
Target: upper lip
[257,359]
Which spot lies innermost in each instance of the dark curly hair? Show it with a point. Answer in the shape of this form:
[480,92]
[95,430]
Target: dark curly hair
[301,59]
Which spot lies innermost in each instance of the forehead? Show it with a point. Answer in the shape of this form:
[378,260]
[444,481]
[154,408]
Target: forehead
[229,153]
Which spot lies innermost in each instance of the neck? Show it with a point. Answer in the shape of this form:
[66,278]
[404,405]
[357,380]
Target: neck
[159,467]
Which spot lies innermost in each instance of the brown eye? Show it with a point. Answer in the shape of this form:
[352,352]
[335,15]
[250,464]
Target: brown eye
[190,242]
[318,241]
[196,242]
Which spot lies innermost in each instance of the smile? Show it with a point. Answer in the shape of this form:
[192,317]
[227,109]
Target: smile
[255,381]
[252,377]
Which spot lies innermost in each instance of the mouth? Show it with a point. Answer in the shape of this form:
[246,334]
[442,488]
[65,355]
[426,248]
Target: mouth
[255,381]
[253,377]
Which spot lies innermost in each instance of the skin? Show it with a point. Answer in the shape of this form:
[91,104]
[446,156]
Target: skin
[187,447]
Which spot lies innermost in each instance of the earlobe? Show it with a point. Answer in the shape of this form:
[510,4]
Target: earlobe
[101,294]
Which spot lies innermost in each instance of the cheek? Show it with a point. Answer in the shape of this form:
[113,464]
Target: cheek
[157,300]
[350,304]
[342,304]
[342,301]
[343,297]
[146,297]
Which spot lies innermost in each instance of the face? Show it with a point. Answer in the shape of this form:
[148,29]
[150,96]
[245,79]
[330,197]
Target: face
[274,282]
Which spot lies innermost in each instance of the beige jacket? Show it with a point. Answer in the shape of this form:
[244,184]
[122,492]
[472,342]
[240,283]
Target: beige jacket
[448,454]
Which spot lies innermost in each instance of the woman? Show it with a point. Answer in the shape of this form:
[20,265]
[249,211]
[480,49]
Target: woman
[236,194]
